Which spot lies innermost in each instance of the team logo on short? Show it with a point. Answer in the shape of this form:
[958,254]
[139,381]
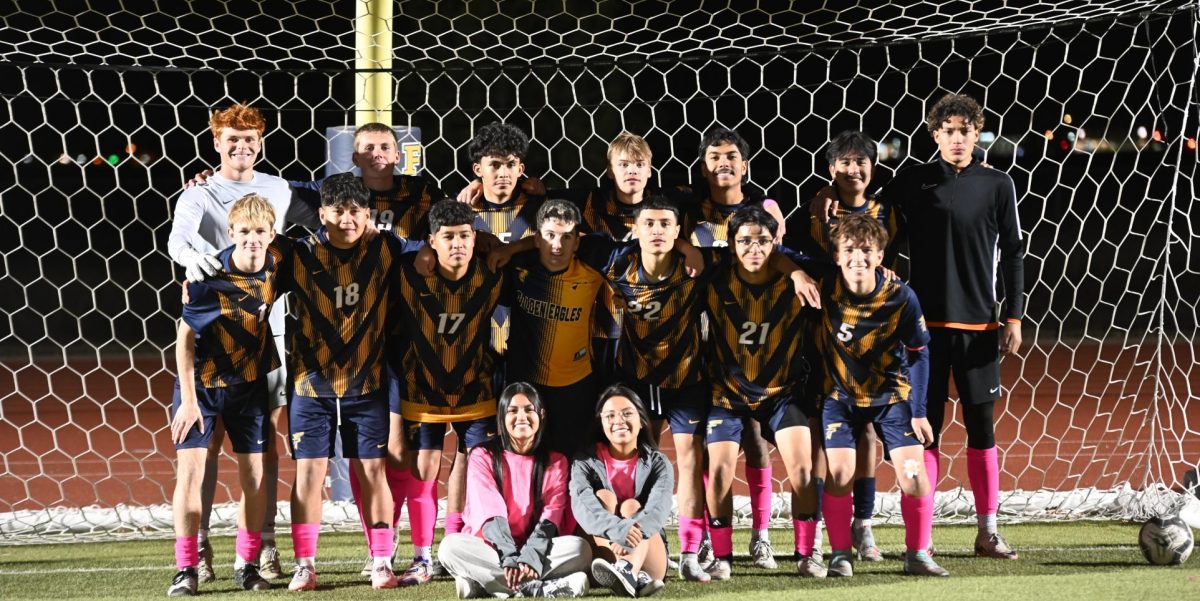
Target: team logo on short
[713,423]
[296,436]
[830,429]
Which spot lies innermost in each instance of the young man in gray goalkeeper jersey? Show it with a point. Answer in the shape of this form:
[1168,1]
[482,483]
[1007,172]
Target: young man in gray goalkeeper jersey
[198,231]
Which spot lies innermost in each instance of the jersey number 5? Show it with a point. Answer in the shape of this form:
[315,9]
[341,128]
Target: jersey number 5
[750,328]
[845,332]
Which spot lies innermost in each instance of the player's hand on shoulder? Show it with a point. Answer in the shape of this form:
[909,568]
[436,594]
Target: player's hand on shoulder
[198,179]
[922,430]
[197,265]
[426,261]
[822,206]
[370,231]
[888,274]
[471,193]
[807,289]
[772,207]
[533,186]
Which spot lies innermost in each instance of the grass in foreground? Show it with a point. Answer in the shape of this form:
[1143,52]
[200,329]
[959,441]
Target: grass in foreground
[1083,560]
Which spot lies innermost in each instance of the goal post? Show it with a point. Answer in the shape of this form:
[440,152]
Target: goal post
[1091,109]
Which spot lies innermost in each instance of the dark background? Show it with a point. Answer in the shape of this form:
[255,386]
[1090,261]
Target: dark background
[1109,217]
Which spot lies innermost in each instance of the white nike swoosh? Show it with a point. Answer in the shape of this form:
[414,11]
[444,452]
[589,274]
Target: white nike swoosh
[259,442]
[928,186]
[993,390]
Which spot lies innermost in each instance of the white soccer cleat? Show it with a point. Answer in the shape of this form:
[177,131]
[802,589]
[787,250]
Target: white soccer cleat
[690,570]
[719,569]
[993,545]
[811,567]
[919,563]
[305,579]
[469,589]
[763,555]
[841,564]
[268,558]
[864,543]
[184,584]
[382,577]
[204,571]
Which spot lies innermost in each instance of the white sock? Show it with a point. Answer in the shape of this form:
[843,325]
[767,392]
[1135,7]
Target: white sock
[862,523]
[238,562]
[378,561]
[987,523]
[762,534]
[311,562]
[423,553]
[202,536]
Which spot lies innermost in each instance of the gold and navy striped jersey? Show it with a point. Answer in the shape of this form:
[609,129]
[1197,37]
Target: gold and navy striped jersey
[228,315]
[816,240]
[863,341]
[551,321]
[509,222]
[445,329]
[405,208]
[711,220]
[660,338]
[756,339]
[341,299]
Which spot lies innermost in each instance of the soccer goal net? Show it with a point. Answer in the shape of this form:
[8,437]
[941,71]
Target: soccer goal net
[1091,107]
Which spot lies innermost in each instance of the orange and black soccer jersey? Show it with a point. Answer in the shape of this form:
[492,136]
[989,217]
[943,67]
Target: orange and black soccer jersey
[445,327]
[405,208]
[551,321]
[509,222]
[341,300]
[660,338]
[228,313]
[817,239]
[604,214]
[863,341]
[756,340]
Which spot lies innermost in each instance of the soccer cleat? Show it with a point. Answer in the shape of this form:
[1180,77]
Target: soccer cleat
[204,571]
[568,587]
[469,589]
[647,586]
[249,578]
[617,577]
[919,563]
[719,569]
[268,559]
[841,564]
[419,572]
[184,584]
[705,553]
[305,579]
[810,567]
[762,554]
[993,545]
[690,570]
[368,567]
[382,576]
[864,542]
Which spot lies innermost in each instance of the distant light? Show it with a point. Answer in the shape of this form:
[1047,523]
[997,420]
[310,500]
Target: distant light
[145,158]
[1067,118]
[64,159]
[130,148]
[80,159]
[1071,136]
[1141,132]
[1157,135]
[28,159]
[98,160]
[113,159]
[987,137]
[1191,143]
[1063,144]
[1049,135]
[1082,134]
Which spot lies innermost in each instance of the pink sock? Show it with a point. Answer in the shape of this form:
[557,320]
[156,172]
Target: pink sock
[722,540]
[248,545]
[691,530]
[983,471]
[187,551]
[933,466]
[758,480]
[806,536]
[917,513]
[454,522]
[839,511]
[304,539]
[381,542]
[422,511]
[398,481]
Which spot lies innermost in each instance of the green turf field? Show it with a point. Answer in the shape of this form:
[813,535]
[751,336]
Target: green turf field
[1086,560]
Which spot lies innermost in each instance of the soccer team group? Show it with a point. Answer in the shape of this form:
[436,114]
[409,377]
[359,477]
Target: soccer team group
[558,331]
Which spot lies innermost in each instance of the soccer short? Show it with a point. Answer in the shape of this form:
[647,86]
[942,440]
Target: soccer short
[278,380]
[241,407]
[570,412]
[842,424]
[725,425]
[427,436]
[364,426]
[972,357]
[685,409]
[604,361]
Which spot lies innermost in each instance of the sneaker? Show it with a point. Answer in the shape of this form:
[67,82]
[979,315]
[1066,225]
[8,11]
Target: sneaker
[690,570]
[382,576]
[762,554]
[368,567]
[704,554]
[268,560]
[419,572]
[919,563]
[719,569]
[811,567]
[647,586]
[864,542]
[184,584]
[841,564]
[305,579]
[993,545]
[617,577]
[568,587]
[204,571]
[469,589]
[249,579]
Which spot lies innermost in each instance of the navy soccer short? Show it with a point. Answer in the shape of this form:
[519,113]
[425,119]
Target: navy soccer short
[725,425]
[973,357]
[363,422]
[425,436]
[685,409]
[241,407]
[843,423]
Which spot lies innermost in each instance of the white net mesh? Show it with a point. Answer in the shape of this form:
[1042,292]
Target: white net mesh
[105,114]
